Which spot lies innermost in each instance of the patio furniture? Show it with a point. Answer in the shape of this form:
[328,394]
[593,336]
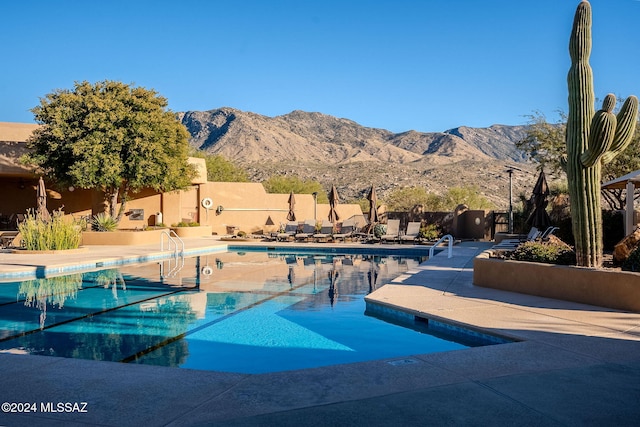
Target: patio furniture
[412,232]
[393,231]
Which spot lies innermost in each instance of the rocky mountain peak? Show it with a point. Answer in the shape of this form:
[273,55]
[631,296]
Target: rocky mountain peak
[318,146]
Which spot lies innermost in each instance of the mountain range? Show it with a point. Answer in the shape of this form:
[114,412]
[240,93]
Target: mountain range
[339,151]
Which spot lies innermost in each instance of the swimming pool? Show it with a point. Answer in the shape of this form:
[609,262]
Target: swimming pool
[242,311]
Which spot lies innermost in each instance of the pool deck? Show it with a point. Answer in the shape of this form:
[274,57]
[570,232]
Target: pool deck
[573,364]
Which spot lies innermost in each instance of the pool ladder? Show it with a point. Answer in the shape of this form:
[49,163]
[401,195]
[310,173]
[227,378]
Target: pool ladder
[173,240]
[442,239]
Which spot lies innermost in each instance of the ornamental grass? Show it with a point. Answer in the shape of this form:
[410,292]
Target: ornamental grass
[45,235]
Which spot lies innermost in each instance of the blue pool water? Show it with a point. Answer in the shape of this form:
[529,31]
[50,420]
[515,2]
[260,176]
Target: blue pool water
[248,312]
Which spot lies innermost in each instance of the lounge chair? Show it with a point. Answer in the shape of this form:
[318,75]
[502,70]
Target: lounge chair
[347,229]
[534,235]
[326,230]
[393,231]
[289,233]
[308,230]
[510,244]
[547,233]
[411,235]
[8,238]
[365,233]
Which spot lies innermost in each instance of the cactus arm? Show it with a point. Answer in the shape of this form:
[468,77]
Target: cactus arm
[603,128]
[625,129]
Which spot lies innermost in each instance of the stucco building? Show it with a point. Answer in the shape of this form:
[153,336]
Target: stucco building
[222,205]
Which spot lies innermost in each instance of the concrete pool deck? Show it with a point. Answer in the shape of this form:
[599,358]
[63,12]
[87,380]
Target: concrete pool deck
[573,364]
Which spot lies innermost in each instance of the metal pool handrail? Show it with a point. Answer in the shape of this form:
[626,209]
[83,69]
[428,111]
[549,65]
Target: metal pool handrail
[171,239]
[442,239]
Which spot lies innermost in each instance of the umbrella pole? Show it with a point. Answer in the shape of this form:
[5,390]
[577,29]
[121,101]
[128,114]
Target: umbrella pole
[628,224]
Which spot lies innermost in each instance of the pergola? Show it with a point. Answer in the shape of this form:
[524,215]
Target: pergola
[628,182]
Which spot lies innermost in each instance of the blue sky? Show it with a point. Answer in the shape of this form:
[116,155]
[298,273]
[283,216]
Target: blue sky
[426,65]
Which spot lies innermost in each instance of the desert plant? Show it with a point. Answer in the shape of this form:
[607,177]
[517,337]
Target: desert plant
[430,232]
[379,230]
[544,252]
[592,138]
[242,233]
[55,234]
[104,222]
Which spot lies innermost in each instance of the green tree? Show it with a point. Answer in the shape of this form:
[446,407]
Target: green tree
[285,184]
[220,169]
[468,195]
[404,199]
[110,136]
[545,144]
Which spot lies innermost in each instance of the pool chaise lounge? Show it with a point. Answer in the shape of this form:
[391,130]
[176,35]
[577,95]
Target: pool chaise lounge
[326,232]
[393,231]
[412,232]
[308,230]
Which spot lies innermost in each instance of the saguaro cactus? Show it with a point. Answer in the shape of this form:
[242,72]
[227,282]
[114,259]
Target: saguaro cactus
[592,138]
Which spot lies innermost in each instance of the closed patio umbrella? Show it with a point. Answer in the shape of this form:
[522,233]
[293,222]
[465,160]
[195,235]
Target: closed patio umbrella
[334,199]
[373,276]
[373,208]
[333,285]
[291,277]
[292,204]
[41,196]
[539,217]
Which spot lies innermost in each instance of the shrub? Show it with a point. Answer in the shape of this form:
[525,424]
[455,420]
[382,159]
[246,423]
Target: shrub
[104,222]
[241,233]
[544,252]
[430,232]
[55,234]
[632,263]
[186,224]
[379,230]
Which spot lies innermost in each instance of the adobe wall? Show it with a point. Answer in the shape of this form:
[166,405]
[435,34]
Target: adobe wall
[249,208]
[599,287]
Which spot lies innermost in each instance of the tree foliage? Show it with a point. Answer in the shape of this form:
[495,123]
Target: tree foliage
[219,169]
[110,136]
[404,199]
[545,143]
[286,184]
[469,195]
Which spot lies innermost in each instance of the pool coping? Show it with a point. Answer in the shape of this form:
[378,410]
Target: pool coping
[575,365]
[35,264]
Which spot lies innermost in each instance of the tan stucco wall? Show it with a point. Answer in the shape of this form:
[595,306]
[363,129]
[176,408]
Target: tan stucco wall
[603,288]
[12,138]
[248,207]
